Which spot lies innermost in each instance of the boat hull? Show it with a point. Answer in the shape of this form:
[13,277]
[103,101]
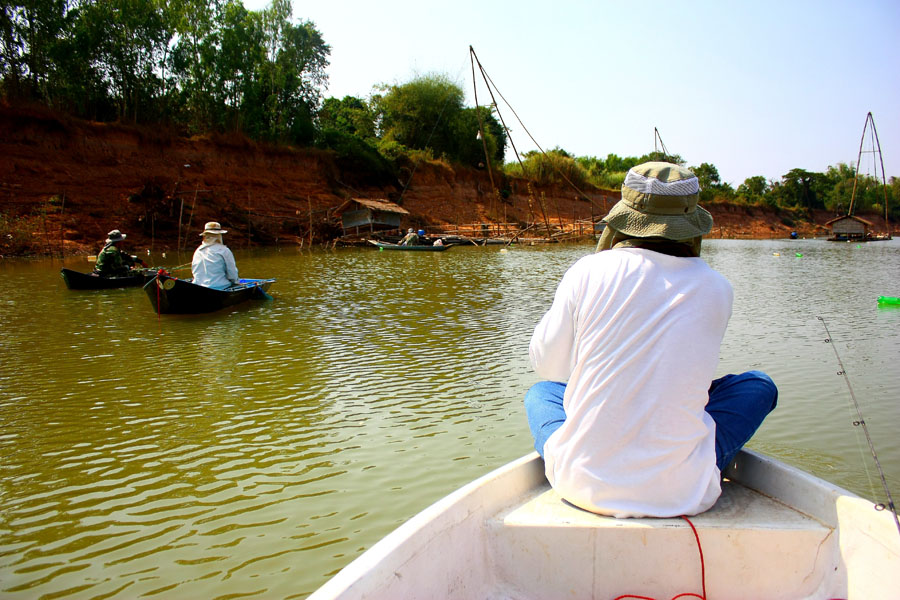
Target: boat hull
[776,533]
[389,246]
[76,280]
[170,295]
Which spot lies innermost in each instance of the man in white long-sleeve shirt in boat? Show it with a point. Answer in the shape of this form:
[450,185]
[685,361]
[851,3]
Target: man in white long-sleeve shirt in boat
[631,421]
[213,263]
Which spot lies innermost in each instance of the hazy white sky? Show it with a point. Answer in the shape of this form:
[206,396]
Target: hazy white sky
[756,88]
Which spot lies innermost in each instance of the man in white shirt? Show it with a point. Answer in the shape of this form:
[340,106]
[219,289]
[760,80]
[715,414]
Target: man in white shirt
[630,422]
[213,263]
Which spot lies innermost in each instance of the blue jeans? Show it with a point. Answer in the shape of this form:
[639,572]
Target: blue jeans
[737,403]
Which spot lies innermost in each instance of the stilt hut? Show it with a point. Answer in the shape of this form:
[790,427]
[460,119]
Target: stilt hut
[849,228]
[359,215]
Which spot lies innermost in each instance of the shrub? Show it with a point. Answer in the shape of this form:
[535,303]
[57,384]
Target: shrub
[17,234]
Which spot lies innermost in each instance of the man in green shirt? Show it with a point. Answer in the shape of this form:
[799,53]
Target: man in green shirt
[410,239]
[112,261]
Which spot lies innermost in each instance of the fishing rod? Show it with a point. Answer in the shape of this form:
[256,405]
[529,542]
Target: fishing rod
[861,422]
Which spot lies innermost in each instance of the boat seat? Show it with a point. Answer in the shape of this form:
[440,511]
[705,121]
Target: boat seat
[753,547]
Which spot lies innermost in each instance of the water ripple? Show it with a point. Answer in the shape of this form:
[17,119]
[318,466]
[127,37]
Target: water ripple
[253,452]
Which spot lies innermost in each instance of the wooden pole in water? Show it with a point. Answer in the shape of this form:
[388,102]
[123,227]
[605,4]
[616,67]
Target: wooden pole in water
[180,211]
[187,229]
[309,206]
[62,214]
[46,233]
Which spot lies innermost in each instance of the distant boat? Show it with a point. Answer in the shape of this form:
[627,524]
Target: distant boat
[413,248]
[776,532]
[170,295]
[76,280]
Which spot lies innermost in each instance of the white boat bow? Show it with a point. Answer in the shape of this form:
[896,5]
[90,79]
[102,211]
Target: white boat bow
[775,533]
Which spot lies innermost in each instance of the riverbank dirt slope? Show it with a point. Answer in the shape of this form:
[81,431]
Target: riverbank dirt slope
[65,183]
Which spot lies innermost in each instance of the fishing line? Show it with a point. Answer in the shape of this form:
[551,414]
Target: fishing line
[861,422]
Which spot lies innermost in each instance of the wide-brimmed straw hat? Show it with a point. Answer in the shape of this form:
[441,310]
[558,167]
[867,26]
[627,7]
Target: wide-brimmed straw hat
[213,227]
[115,236]
[659,199]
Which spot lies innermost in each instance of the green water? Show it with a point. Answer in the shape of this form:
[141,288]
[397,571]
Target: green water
[256,451]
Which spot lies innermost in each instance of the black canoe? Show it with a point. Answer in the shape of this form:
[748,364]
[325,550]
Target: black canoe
[75,280]
[170,295]
[389,246]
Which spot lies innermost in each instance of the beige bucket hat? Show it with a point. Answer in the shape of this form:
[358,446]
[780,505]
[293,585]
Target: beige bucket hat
[115,236]
[659,199]
[213,227]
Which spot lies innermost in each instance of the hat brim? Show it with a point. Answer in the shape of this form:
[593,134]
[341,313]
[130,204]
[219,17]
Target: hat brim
[218,231]
[113,240]
[674,227]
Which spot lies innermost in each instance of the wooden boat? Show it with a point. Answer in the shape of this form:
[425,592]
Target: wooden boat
[76,280]
[170,295]
[389,246]
[775,533]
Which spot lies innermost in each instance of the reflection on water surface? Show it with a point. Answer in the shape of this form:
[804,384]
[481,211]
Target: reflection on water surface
[255,451]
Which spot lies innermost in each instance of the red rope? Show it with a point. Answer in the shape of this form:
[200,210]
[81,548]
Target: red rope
[702,573]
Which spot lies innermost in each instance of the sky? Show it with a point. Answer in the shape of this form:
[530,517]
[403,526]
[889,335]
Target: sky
[755,88]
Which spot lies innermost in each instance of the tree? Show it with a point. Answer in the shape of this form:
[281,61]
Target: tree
[30,31]
[427,113]
[350,115]
[801,188]
[755,186]
[240,55]
[416,114]
[662,157]
[839,180]
[287,86]
[708,177]
[130,38]
[553,166]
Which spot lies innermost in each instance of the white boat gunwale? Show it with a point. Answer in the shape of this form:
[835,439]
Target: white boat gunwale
[851,550]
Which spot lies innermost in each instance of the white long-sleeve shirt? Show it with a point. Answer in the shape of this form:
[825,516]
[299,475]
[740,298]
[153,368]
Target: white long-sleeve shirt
[636,334]
[213,266]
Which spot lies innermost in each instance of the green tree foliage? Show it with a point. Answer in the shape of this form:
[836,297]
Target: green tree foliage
[351,116]
[206,65]
[554,166]
[347,127]
[800,188]
[127,42]
[894,198]
[427,113]
[753,190]
[711,186]
[32,32]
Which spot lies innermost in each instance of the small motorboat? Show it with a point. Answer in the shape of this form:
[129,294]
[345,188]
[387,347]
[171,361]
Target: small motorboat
[76,280]
[171,295]
[776,532]
[414,248]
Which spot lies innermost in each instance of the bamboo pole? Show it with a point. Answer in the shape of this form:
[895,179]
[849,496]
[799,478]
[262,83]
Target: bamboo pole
[187,229]
[180,212]
[62,215]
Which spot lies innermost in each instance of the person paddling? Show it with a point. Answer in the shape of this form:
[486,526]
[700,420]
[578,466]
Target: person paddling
[213,263]
[631,421]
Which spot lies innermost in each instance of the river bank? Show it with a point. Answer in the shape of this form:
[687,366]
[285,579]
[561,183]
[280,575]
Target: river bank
[65,183]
